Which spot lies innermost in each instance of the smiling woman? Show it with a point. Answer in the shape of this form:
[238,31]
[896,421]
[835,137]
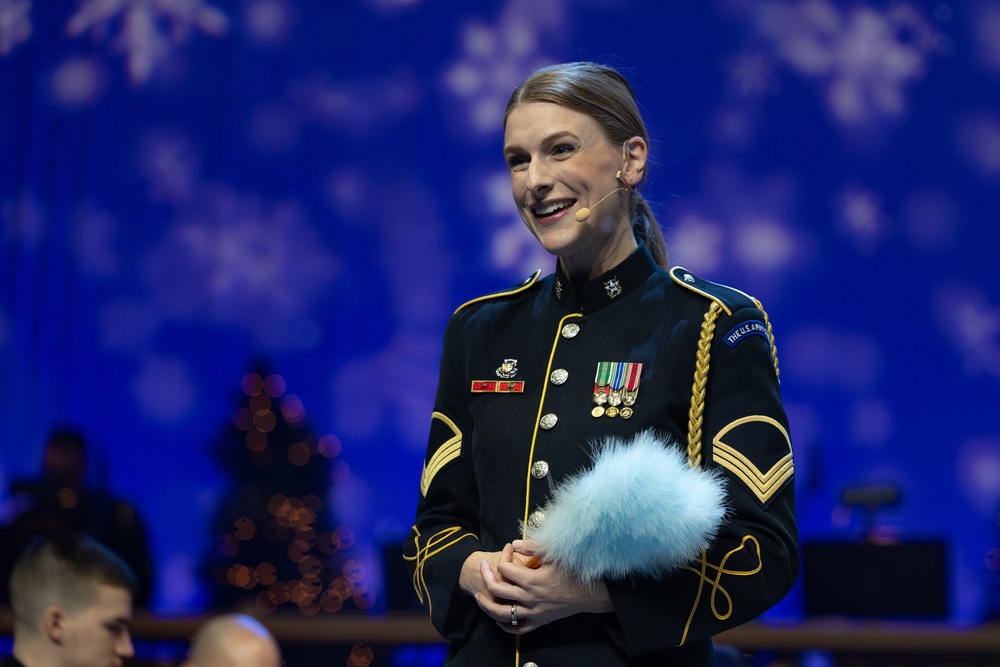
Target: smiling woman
[600,119]
[565,517]
[561,160]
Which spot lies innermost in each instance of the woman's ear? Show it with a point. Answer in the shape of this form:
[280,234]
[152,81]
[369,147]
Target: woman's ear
[634,152]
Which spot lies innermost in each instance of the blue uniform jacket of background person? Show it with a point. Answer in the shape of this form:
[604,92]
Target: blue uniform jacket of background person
[514,415]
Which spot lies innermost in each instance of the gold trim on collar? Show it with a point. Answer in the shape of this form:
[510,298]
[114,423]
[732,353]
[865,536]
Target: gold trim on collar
[689,285]
[528,282]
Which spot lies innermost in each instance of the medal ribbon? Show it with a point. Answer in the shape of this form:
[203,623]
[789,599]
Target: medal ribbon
[601,380]
[632,373]
[603,374]
[619,376]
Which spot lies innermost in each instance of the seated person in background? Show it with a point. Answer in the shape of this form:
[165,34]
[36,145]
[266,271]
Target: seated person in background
[233,640]
[71,599]
[61,501]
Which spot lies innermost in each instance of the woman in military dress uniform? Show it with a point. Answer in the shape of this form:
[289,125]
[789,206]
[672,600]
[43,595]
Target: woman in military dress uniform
[612,348]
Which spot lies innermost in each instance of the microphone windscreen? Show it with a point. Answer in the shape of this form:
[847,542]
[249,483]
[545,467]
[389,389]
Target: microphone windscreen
[582,214]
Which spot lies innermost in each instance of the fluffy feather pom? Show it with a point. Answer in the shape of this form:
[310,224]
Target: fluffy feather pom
[639,511]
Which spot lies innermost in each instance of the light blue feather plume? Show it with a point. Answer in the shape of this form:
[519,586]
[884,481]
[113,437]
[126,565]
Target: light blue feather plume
[639,511]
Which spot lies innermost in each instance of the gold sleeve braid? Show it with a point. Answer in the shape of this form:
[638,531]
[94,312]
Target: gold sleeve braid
[697,411]
[702,363]
[770,337]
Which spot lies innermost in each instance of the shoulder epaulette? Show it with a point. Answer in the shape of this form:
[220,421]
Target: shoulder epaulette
[728,297]
[525,284]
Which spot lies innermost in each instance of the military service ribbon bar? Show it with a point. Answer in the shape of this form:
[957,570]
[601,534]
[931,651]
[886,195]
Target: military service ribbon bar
[497,387]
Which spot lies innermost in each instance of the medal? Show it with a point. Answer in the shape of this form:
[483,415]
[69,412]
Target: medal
[601,387]
[616,388]
[617,381]
[631,392]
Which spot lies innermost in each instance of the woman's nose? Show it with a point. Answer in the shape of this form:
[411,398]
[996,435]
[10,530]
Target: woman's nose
[539,177]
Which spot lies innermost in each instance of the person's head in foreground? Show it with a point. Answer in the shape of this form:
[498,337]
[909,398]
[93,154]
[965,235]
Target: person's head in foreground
[71,599]
[233,640]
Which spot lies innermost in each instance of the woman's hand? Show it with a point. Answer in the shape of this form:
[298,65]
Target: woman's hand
[541,595]
[472,578]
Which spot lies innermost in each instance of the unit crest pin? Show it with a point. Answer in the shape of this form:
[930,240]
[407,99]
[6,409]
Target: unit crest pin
[507,369]
[613,287]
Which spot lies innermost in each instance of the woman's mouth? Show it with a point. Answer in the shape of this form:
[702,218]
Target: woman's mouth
[551,211]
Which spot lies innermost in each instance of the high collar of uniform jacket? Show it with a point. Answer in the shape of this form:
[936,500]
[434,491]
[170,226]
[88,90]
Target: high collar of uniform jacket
[611,286]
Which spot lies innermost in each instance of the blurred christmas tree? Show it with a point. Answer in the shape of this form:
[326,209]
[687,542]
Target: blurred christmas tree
[275,547]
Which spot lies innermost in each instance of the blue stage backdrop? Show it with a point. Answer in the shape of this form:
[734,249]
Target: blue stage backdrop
[191,187]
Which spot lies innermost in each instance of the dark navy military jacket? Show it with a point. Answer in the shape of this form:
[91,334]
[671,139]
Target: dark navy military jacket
[515,414]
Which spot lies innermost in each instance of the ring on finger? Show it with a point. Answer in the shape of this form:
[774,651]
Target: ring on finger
[513,614]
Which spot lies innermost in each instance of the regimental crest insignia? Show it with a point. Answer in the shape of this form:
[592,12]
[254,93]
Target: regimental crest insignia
[507,369]
[613,287]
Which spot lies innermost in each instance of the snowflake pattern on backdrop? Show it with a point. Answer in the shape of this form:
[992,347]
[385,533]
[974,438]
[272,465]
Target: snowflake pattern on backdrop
[863,57]
[236,259]
[739,221]
[149,28]
[972,324]
[15,24]
[343,192]
[496,58]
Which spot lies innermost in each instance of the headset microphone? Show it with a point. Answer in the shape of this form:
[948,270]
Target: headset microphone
[584,213]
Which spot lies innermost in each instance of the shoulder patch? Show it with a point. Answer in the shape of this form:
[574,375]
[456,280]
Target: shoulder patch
[525,284]
[745,329]
[728,297]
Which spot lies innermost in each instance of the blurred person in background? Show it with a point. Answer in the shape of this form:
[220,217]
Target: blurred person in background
[61,500]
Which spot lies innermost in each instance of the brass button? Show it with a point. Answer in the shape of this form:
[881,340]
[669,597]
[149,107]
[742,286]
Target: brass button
[539,469]
[548,421]
[559,376]
[570,330]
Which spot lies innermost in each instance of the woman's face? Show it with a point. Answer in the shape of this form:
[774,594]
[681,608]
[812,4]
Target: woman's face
[561,161]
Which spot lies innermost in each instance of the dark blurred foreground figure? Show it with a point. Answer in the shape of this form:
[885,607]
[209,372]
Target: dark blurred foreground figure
[71,599]
[608,478]
[61,501]
[233,640]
